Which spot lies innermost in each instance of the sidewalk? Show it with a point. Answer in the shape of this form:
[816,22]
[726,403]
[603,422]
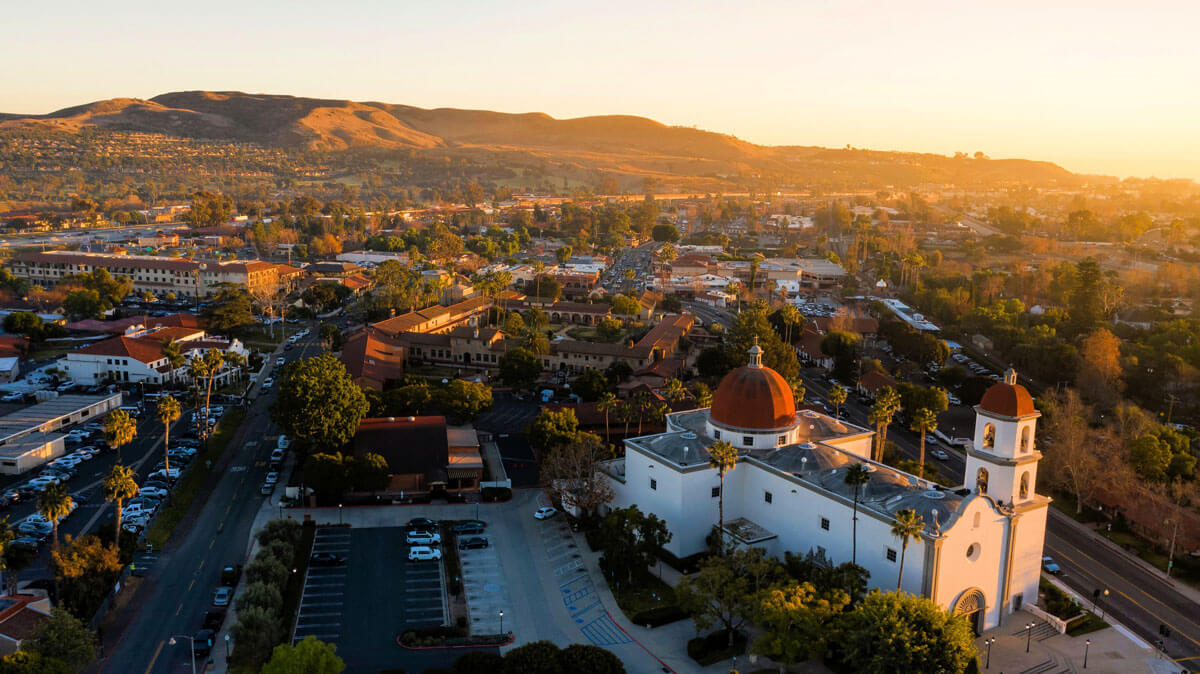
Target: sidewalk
[1053,653]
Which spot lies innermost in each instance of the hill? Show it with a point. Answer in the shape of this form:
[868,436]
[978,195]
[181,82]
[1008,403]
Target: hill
[625,146]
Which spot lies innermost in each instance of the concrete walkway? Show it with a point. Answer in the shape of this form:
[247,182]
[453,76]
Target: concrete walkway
[1053,653]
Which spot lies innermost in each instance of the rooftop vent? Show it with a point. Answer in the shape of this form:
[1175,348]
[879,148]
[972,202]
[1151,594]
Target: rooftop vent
[809,414]
[934,494]
[688,436]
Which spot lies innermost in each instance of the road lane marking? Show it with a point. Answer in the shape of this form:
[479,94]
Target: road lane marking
[177,611]
[210,543]
[1135,602]
[201,564]
[191,584]
[157,651]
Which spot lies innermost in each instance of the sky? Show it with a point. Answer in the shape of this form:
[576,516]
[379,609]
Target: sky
[1096,86]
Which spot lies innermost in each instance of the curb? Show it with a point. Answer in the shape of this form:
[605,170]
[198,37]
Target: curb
[511,639]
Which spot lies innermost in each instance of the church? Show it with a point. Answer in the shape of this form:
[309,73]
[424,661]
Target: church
[979,554]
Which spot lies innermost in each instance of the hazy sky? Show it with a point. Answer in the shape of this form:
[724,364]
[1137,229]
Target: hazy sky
[1097,86]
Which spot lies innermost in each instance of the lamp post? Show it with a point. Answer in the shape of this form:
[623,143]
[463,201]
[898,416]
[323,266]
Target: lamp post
[228,652]
[988,663]
[502,623]
[339,514]
[1028,635]
[1171,553]
[1087,645]
[191,652]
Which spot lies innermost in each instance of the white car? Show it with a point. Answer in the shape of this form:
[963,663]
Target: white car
[268,382]
[272,478]
[284,442]
[13,397]
[42,481]
[281,361]
[425,538]
[545,513]
[422,553]
[170,475]
[152,492]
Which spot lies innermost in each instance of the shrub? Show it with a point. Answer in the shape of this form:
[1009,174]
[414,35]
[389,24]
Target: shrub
[715,647]
[264,596]
[256,634]
[267,569]
[659,616]
[479,662]
[590,659]
[280,530]
[282,550]
[495,494]
[537,657]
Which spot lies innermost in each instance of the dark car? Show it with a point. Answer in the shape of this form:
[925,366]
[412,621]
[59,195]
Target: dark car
[473,543]
[423,523]
[202,643]
[230,575]
[327,559]
[213,620]
[470,527]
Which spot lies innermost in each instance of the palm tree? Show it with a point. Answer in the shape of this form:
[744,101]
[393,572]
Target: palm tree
[54,504]
[908,525]
[608,403]
[723,457]
[119,485]
[168,411]
[790,316]
[882,412]
[837,396]
[205,369]
[735,289]
[119,430]
[856,476]
[799,390]
[643,402]
[538,268]
[174,355]
[674,390]
[703,394]
[924,420]
[627,413]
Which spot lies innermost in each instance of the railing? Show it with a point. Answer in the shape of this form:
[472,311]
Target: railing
[1057,623]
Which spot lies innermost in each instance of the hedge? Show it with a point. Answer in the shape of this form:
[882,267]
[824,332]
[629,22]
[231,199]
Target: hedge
[714,648]
[659,616]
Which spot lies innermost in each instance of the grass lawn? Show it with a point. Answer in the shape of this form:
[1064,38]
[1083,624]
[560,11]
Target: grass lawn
[50,350]
[164,525]
[432,371]
[1087,624]
[646,593]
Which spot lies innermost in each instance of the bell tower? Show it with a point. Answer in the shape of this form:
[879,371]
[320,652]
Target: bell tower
[1002,461]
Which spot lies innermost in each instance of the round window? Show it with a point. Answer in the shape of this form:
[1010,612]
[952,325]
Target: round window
[973,552]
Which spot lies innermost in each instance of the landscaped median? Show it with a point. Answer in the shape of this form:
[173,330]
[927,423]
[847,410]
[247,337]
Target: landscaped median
[193,480]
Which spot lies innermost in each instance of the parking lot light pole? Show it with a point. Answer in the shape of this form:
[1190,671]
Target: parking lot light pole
[1087,645]
[228,653]
[192,652]
[1028,635]
[502,623]
[985,666]
[339,514]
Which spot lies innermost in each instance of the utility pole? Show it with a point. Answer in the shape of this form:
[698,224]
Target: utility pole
[1171,408]
[1171,553]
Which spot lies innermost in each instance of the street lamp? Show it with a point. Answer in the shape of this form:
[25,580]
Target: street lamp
[1087,645]
[228,653]
[1028,635]
[191,652]
[988,664]
[339,514]
[502,623]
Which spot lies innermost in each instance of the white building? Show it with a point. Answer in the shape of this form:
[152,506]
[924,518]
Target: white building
[32,436]
[137,357]
[979,553]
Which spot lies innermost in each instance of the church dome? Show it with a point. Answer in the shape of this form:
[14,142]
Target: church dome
[754,398]
[1008,398]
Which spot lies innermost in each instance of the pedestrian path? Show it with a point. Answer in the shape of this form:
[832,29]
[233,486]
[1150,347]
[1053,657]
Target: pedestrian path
[322,604]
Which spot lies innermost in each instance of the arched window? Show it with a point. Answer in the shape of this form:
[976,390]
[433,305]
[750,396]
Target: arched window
[976,524]
[989,436]
[981,480]
[1024,485]
[1026,445]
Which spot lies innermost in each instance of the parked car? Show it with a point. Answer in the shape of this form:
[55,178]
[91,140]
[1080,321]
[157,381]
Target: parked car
[1050,566]
[213,620]
[469,527]
[168,475]
[267,488]
[13,397]
[326,559]
[545,512]
[940,455]
[423,554]
[284,442]
[472,543]
[422,523]
[230,575]
[268,383]
[152,492]
[202,643]
[423,538]
[280,361]
[222,595]
[272,478]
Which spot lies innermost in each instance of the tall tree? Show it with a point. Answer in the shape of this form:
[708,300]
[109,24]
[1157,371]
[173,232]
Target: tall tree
[729,589]
[309,656]
[204,370]
[837,396]
[797,622]
[571,476]
[723,457]
[1099,375]
[901,632]
[54,504]
[924,420]
[168,411]
[607,404]
[887,402]
[318,403]
[120,485]
[119,430]
[907,526]
[856,477]
[1078,459]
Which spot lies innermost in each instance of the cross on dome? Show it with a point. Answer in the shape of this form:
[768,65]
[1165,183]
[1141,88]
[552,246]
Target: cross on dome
[756,354]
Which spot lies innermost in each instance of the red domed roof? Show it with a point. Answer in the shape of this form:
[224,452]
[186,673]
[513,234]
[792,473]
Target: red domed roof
[1008,398]
[753,397]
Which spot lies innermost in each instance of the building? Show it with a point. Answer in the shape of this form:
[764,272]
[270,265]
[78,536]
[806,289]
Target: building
[978,555]
[138,357]
[373,358]
[423,454]
[30,437]
[10,369]
[21,615]
[153,274]
[436,319]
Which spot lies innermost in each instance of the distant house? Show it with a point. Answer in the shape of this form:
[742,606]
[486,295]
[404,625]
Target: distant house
[21,615]
[10,369]
[871,382]
[373,358]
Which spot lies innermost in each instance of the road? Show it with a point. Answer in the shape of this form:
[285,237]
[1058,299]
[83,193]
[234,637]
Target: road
[1137,598]
[178,588]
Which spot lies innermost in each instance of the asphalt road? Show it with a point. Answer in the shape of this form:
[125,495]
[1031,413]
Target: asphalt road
[178,589]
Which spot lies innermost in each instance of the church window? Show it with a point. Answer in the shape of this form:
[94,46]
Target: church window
[825,523]
[782,440]
[653,483]
[981,481]
[767,496]
[1025,485]
[976,525]
[716,435]
[973,552]
[748,440]
[716,491]
[1025,444]
[989,436]
[891,555]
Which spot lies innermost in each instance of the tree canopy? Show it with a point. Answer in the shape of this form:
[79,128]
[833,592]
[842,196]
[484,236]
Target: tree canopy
[318,403]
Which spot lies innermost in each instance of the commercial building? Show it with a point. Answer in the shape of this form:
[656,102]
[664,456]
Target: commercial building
[138,356]
[30,437]
[153,274]
[978,553]
[423,454]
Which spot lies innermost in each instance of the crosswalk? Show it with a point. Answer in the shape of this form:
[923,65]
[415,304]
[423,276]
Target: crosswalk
[322,605]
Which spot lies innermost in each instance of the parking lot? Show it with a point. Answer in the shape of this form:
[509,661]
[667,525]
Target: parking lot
[322,606]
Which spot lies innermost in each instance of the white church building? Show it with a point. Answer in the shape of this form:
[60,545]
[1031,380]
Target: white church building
[979,554]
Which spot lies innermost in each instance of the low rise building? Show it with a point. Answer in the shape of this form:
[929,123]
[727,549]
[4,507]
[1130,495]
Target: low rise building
[138,357]
[32,436]
[423,454]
